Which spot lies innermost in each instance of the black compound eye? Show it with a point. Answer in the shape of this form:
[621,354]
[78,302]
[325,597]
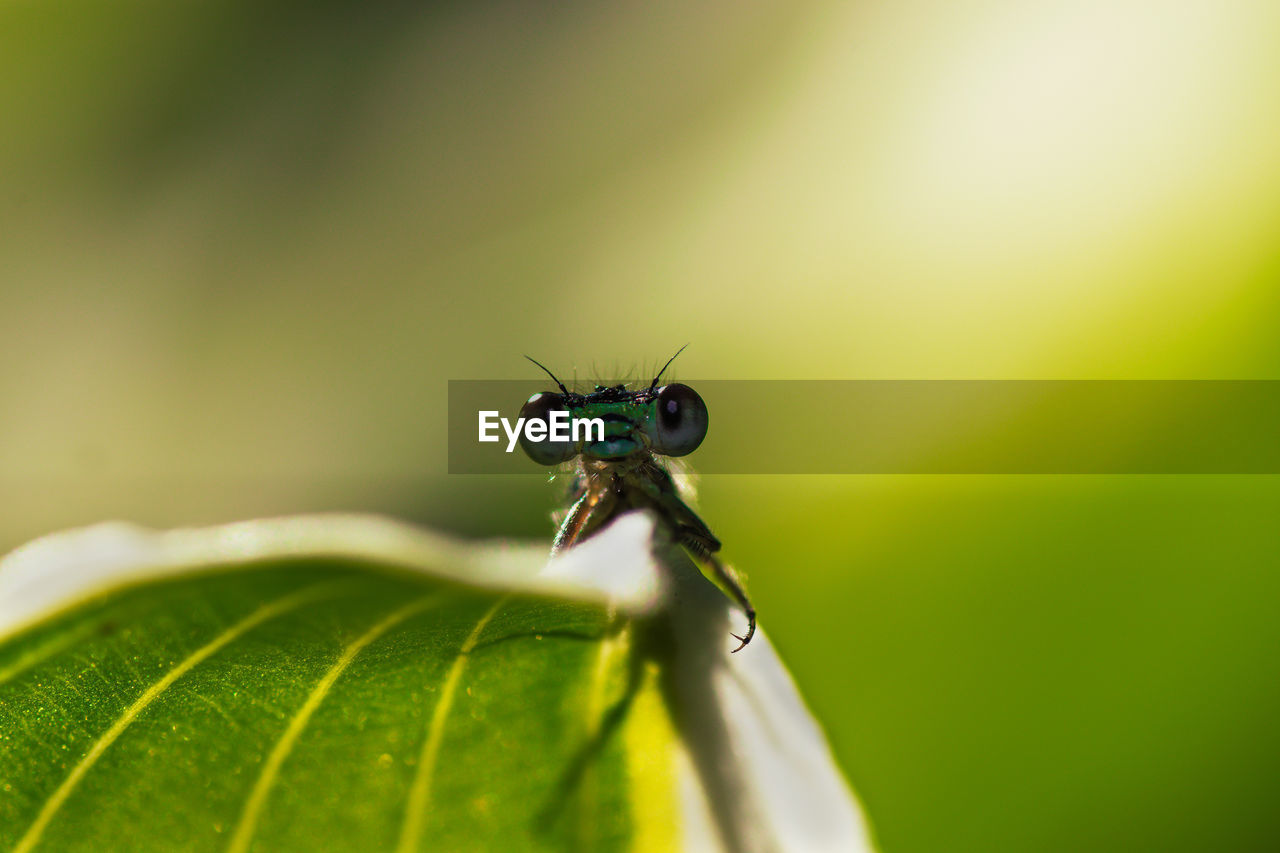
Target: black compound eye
[545,452]
[681,420]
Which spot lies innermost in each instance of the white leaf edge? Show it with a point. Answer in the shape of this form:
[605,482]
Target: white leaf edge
[56,571]
[754,771]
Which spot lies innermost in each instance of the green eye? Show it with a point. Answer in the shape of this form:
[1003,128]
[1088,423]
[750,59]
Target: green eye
[681,420]
[546,452]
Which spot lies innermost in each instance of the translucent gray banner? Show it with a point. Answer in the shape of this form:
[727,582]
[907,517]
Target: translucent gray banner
[937,427]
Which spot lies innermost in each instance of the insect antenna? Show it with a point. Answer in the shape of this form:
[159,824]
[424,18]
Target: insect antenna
[654,383]
[563,389]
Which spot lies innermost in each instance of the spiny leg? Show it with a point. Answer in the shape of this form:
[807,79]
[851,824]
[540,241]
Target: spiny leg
[730,580]
[597,504]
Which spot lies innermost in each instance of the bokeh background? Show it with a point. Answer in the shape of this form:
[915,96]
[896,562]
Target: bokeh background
[244,246]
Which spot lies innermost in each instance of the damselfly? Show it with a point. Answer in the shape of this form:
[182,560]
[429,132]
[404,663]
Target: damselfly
[622,471]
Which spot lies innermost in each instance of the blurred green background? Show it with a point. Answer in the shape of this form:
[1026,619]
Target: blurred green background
[242,250]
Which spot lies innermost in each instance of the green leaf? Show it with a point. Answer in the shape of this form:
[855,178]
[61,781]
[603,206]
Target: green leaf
[352,683]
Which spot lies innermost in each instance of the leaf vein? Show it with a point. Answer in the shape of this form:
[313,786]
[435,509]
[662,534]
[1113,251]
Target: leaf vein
[257,617]
[243,835]
[420,792]
[44,652]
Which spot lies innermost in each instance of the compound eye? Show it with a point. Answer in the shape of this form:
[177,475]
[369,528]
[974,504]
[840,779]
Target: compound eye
[681,420]
[545,452]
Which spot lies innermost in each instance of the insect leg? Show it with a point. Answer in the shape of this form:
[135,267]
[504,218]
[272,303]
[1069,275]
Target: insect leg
[584,517]
[729,578]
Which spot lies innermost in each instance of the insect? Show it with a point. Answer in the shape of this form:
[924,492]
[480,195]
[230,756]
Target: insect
[621,471]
